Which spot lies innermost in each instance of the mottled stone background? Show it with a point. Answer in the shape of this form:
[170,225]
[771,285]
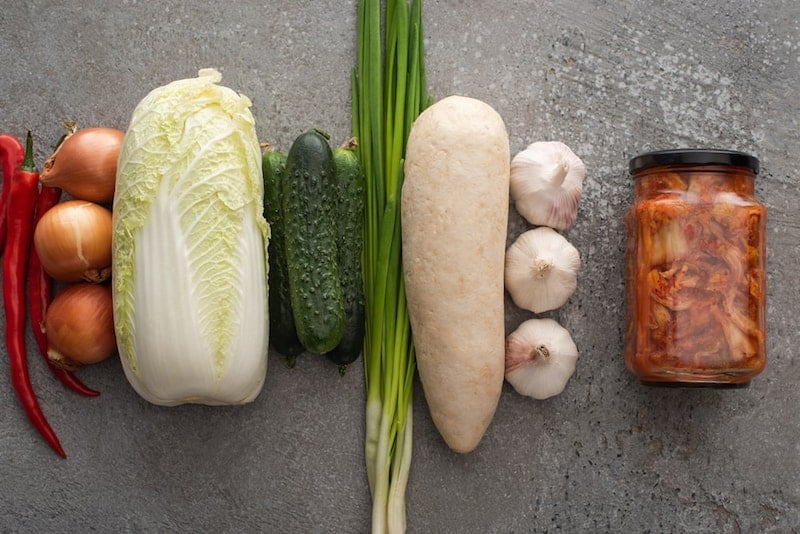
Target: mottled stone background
[611,79]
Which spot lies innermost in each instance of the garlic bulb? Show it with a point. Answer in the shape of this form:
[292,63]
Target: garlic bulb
[546,184]
[540,358]
[541,270]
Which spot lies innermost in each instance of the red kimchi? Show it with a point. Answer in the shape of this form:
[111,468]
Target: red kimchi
[696,276]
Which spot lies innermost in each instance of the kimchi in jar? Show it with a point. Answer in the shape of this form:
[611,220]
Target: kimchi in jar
[695,269]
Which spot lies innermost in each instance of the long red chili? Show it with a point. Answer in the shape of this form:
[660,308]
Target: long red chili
[40,287]
[21,205]
[12,154]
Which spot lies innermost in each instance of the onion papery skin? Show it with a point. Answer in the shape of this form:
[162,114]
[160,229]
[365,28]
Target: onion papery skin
[73,240]
[85,164]
[80,326]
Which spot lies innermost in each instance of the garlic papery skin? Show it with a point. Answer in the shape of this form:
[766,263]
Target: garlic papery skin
[546,184]
[540,358]
[541,270]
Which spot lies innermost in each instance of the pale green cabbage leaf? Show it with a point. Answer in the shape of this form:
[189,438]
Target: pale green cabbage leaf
[190,247]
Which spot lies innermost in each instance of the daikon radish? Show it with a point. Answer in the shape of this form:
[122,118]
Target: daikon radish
[454,221]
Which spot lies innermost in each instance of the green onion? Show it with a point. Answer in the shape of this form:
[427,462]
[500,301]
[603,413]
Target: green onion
[389,92]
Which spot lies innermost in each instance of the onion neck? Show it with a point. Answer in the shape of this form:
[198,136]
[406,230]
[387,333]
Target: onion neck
[62,362]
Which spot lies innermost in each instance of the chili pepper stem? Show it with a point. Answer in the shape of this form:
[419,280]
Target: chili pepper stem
[28,164]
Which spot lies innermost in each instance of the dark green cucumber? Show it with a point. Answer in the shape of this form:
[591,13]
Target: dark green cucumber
[282,333]
[349,188]
[308,215]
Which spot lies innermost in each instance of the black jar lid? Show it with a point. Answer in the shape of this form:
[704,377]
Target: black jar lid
[693,156]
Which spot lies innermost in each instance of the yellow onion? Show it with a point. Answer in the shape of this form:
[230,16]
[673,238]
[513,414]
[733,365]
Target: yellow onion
[85,164]
[79,325]
[73,240]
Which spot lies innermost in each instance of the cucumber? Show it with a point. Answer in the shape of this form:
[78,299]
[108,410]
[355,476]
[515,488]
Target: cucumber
[282,333]
[308,215]
[349,188]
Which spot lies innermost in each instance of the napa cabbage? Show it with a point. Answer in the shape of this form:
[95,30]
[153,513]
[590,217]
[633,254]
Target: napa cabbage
[190,247]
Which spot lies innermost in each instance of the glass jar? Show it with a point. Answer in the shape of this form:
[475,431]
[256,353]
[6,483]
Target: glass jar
[695,268]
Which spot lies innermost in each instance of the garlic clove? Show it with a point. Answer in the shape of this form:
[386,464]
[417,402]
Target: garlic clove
[541,270]
[546,184]
[540,358]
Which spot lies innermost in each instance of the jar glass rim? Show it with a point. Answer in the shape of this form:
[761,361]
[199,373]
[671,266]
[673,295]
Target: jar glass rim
[693,156]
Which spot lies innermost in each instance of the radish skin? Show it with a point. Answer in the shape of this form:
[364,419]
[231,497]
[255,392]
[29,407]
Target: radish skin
[454,220]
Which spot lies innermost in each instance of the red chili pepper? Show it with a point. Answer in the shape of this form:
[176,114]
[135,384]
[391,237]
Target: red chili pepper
[12,154]
[21,206]
[40,287]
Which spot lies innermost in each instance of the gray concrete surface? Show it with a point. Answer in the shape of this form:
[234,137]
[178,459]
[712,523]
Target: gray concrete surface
[611,79]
